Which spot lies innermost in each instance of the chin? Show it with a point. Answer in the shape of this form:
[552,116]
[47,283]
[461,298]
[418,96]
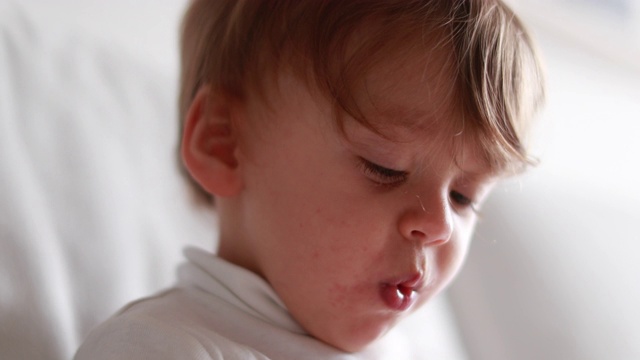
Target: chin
[356,340]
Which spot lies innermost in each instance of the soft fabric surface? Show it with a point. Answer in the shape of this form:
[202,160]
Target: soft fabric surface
[554,270]
[217,311]
[554,274]
[93,212]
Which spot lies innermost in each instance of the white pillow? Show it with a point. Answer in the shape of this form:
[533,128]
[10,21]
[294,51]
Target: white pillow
[93,212]
[554,271]
[553,274]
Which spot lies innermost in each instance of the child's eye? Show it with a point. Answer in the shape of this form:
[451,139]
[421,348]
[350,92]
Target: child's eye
[382,175]
[462,201]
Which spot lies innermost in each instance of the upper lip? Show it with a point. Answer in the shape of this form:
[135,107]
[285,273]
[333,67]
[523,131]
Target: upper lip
[413,280]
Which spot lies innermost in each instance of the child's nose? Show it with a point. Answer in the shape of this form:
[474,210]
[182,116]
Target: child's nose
[428,221]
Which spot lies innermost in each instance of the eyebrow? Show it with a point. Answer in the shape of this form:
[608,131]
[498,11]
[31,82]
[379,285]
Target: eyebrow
[475,176]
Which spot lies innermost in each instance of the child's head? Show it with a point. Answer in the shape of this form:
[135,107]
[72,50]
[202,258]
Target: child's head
[348,144]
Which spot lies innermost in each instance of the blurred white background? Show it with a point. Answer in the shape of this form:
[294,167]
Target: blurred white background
[554,271]
[145,29]
[592,119]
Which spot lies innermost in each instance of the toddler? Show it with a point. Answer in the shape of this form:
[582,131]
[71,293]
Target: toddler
[347,145]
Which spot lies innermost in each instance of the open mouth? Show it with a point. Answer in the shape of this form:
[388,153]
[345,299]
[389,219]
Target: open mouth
[400,295]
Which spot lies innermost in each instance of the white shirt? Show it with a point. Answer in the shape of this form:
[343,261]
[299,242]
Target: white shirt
[217,311]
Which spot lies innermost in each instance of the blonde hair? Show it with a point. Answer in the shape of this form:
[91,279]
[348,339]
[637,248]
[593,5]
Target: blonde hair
[232,45]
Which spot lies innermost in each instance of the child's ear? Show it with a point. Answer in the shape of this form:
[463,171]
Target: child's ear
[209,143]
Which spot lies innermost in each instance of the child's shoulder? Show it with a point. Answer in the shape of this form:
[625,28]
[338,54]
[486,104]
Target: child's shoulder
[161,327]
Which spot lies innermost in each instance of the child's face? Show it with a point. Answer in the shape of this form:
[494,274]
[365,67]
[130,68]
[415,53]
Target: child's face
[349,245]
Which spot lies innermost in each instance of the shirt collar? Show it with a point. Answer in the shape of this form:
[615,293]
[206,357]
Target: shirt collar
[237,286]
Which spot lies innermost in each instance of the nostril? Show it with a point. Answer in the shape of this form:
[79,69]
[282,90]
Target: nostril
[422,237]
[431,227]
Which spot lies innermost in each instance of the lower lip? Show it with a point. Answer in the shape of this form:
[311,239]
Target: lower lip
[396,298]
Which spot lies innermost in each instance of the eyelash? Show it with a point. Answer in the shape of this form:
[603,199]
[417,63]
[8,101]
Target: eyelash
[463,201]
[381,175]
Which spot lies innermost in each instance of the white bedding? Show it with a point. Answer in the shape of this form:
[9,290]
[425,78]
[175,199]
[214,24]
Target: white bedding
[92,211]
